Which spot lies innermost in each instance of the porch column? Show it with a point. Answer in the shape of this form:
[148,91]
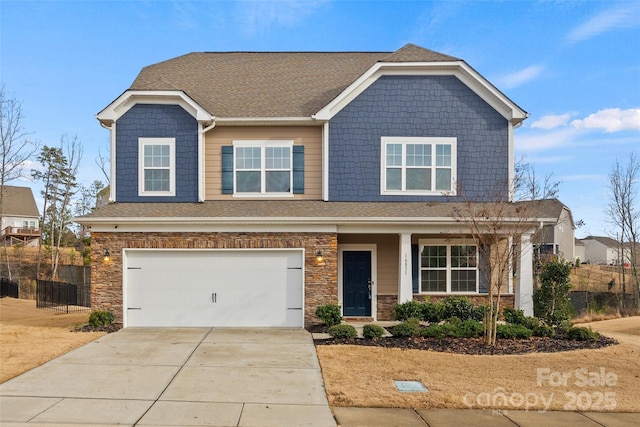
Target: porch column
[524,286]
[405,282]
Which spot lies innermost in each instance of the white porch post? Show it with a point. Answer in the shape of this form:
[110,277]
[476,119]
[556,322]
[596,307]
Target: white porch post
[405,283]
[524,287]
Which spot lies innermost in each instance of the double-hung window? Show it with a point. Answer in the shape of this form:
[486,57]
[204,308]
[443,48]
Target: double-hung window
[416,165]
[448,268]
[263,167]
[157,169]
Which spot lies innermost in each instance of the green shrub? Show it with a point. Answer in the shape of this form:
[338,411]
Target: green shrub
[471,329]
[513,316]
[544,331]
[551,302]
[329,314]
[582,334]
[565,325]
[342,331]
[408,310]
[455,329]
[101,318]
[511,331]
[410,328]
[433,331]
[372,331]
[459,307]
[433,312]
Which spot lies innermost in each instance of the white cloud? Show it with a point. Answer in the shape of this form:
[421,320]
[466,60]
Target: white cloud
[610,120]
[537,141]
[519,77]
[552,121]
[261,15]
[613,19]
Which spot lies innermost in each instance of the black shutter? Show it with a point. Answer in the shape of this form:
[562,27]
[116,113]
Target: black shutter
[298,169]
[415,269]
[227,169]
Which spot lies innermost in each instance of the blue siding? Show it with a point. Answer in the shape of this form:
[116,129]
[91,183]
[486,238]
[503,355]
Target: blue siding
[156,121]
[417,106]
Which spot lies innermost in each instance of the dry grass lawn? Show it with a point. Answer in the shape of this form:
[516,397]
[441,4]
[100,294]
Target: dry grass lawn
[30,337]
[593,380]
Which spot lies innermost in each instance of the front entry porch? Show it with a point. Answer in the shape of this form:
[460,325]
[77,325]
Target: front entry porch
[377,271]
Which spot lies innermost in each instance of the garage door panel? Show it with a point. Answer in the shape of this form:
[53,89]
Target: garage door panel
[214,288]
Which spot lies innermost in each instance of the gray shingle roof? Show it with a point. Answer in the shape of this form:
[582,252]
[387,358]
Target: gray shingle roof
[19,201]
[269,84]
[267,210]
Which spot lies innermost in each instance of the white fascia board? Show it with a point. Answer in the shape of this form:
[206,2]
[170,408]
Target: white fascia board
[129,98]
[472,79]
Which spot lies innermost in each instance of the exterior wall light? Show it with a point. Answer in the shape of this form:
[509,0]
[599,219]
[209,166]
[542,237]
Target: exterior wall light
[319,256]
[107,256]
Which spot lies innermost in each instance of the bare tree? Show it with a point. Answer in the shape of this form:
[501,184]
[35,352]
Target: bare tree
[623,211]
[528,185]
[496,227]
[17,148]
[102,161]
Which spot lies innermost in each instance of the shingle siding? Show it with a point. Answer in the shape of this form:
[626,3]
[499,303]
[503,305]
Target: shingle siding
[417,106]
[157,121]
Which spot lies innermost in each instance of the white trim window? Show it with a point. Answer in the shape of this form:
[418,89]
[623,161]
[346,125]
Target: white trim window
[448,268]
[418,165]
[156,168]
[263,167]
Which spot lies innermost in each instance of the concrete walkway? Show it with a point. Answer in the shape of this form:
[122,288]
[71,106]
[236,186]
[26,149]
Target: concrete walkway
[180,377]
[220,377]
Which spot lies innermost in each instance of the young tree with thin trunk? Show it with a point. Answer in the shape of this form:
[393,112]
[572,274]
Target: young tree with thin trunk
[496,227]
[623,211]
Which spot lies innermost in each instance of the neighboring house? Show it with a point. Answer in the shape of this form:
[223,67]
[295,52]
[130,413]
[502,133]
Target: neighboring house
[248,188]
[20,216]
[604,250]
[557,238]
[579,251]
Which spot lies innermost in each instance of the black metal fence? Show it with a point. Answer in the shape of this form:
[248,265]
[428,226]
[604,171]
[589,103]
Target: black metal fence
[8,288]
[587,300]
[62,297]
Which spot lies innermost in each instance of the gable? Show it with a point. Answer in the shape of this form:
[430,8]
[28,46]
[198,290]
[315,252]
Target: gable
[19,201]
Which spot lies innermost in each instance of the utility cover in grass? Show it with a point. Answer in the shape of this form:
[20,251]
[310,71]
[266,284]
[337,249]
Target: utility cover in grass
[411,386]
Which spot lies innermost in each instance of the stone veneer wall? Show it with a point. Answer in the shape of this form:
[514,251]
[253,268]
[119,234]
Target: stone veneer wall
[321,285]
[386,304]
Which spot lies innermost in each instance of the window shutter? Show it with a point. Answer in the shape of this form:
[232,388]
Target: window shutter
[484,253]
[298,169]
[415,268]
[227,169]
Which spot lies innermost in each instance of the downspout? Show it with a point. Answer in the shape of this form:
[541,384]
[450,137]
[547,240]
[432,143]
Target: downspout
[201,165]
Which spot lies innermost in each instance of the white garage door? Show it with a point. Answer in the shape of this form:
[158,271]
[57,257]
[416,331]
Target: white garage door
[261,288]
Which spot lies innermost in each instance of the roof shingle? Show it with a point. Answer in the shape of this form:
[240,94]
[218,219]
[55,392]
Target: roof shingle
[269,84]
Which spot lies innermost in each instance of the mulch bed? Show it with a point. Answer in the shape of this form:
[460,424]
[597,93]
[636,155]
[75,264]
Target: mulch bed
[114,327]
[470,345]
[476,345]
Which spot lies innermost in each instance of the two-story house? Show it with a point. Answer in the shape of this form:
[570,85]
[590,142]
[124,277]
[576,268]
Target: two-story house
[555,239]
[20,222]
[248,188]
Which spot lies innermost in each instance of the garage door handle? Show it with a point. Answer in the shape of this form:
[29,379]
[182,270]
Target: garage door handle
[214,297]
[134,308]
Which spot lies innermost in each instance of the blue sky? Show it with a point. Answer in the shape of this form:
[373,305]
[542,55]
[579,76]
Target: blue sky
[573,65]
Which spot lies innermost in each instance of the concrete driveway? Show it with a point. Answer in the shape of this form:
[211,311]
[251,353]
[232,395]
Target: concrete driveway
[175,377]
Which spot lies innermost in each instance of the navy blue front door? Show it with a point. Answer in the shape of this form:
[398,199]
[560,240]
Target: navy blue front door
[356,283]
